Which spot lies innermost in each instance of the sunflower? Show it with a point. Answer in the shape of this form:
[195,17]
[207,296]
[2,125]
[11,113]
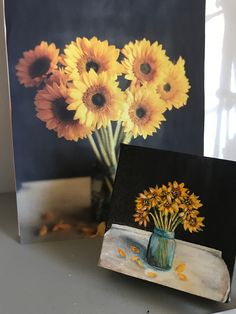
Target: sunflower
[168,206]
[144,112]
[144,62]
[178,191]
[37,64]
[59,77]
[83,54]
[193,223]
[51,106]
[190,202]
[143,201]
[155,195]
[142,218]
[175,86]
[96,98]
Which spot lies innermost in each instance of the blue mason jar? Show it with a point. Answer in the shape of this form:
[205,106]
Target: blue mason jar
[161,249]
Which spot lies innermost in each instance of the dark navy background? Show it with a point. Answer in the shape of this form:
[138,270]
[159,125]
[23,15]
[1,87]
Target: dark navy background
[177,24]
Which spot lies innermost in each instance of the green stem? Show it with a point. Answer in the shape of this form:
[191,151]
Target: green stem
[103,150]
[94,147]
[157,218]
[154,220]
[117,132]
[112,146]
[109,185]
[161,220]
[176,224]
[174,221]
[97,154]
[127,138]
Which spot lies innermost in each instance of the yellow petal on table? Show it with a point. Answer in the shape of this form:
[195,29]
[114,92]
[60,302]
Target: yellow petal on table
[139,263]
[101,229]
[182,277]
[180,268]
[151,274]
[43,231]
[121,252]
[134,258]
[134,249]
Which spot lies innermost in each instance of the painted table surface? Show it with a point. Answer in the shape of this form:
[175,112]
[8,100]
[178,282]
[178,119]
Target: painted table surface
[63,278]
[206,272]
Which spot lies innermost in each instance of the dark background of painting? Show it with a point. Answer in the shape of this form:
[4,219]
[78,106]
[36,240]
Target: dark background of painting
[213,180]
[177,24]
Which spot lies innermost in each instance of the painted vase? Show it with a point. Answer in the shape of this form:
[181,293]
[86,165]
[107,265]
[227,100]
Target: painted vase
[161,249]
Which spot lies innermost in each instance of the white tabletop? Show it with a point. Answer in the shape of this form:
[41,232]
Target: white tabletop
[63,278]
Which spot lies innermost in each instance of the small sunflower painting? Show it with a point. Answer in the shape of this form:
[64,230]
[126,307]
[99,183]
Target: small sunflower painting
[167,222]
[88,77]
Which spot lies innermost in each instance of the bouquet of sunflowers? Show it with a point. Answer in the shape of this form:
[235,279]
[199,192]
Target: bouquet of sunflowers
[108,95]
[169,206]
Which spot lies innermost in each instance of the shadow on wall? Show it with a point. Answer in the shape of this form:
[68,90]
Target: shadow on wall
[225,110]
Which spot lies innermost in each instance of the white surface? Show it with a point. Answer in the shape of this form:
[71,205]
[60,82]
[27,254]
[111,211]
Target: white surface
[206,272]
[220,79]
[63,278]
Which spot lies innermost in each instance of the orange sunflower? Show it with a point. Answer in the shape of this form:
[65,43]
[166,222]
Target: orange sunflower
[175,86]
[143,113]
[96,98]
[83,54]
[51,106]
[144,62]
[193,223]
[37,64]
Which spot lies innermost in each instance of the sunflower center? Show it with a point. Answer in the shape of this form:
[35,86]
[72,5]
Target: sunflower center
[145,68]
[193,221]
[92,65]
[167,87]
[176,192]
[140,112]
[60,111]
[39,67]
[98,100]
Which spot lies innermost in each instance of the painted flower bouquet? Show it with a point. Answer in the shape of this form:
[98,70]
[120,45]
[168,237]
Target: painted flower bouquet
[168,206]
[96,91]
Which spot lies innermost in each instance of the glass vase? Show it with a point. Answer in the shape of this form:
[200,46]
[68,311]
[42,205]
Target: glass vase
[161,249]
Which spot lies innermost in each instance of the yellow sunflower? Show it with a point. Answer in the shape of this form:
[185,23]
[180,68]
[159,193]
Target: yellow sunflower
[37,64]
[177,190]
[83,54]
[193,223]
[144,62]
[190,202]
[142,218]
[143,113]
[175,86]
[168,206]
[143,201]
[96,98]
[155,195]
[51,106]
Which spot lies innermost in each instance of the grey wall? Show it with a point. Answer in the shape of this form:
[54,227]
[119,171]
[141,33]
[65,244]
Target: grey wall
[6,159]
